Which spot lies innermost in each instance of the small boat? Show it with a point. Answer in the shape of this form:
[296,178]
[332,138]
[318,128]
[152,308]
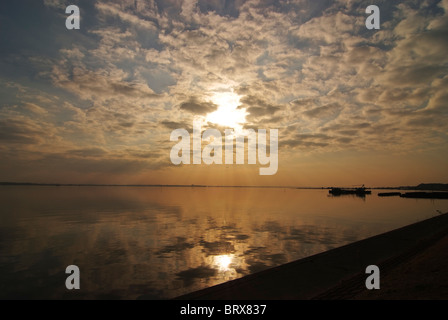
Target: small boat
[356,191]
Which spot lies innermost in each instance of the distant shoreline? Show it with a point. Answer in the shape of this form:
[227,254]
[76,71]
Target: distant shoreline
[427,186]
[145,185]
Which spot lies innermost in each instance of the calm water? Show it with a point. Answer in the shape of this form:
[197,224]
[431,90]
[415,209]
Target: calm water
[158,243]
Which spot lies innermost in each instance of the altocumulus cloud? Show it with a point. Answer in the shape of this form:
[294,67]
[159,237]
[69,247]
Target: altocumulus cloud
[137,69]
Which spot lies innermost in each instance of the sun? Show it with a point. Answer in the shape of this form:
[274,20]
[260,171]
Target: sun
[227,114]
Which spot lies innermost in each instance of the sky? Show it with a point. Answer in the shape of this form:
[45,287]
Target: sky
[351,105]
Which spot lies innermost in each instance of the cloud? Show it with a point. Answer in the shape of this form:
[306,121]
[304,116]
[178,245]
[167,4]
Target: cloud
[91,164]
[138,69]
[195,106]
[172,125]
[307,141]
[328,29]
[94,85]
[59,4]
[305,144]
[328,111]
[257,107]
[34,108]
[87,152]
[21,132]
[132,19]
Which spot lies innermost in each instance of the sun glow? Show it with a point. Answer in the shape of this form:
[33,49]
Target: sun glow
[228,114]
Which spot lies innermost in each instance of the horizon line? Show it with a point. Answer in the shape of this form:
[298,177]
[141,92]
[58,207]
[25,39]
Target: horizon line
[6,183]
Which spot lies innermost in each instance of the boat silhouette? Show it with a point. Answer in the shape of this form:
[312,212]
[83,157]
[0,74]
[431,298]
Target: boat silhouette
[361,191]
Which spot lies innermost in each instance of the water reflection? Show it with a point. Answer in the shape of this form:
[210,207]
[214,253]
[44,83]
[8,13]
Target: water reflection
[155,243]
[222,262]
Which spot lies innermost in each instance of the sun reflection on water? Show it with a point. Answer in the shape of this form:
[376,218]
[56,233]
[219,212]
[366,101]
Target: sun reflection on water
[222,262]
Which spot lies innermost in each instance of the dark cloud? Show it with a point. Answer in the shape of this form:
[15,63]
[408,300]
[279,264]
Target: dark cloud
[197,107]
[262,111]
[345,140]
[300,104]
[426,121]
[172,125]
[299,143]
[328,111]
[88,152]
[348,132]
[271,120]
[257,107]
[126,124]
[88,165]
[302,140]
[20,132]
[346,128]
[414,75]
[144,154]
[361,54]
[97,86]
[317,136]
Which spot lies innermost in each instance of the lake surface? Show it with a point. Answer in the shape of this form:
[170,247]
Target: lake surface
[160,242]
